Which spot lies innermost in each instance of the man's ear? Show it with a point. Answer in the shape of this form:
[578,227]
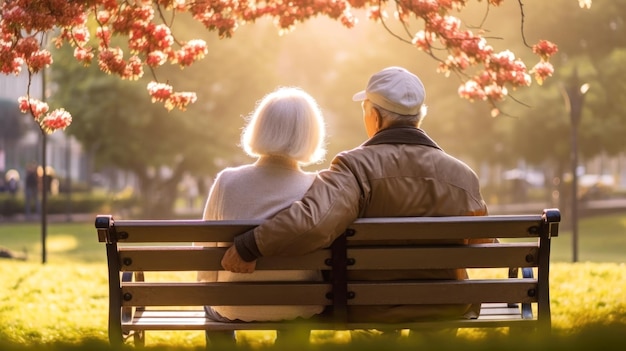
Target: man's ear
[379,119]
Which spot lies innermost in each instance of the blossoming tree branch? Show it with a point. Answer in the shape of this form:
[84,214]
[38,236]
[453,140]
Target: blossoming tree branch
[146,26]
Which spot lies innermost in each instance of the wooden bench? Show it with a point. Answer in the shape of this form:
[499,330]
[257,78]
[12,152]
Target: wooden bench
[138,246]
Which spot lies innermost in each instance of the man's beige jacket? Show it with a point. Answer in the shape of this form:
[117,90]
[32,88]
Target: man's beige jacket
[398,172]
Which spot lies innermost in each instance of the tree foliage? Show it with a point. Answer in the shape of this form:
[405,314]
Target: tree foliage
[119,127]
[151,42]
[596,58]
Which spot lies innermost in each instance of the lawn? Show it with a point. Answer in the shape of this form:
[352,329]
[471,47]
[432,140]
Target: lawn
[601,239]
[63,304]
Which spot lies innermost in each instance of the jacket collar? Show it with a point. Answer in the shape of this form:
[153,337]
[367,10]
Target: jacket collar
[402,135]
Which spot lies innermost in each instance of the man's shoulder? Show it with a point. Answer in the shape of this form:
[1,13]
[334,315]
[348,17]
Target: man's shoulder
[456,162]
[403,153]
[369,152]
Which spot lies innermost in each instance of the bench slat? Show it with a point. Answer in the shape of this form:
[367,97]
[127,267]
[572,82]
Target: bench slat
[399,228]
[195,320]
[434,292]
[472,256]
[195,258]
[295,293]
[202,324]
[459,227]
[497,310]
[239,293]
[487,309]
[184,230]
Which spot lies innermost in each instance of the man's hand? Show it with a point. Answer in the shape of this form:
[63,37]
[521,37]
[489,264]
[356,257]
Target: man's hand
[234,263]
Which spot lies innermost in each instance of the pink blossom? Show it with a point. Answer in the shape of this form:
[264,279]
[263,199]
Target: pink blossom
[545,49]
[542,70]
[147,27]
[159,91]
[83,55]
[156,58]
[472,90]
[111,61]
[37,107]
[190,52]
[57,119]
[134,68]
[423,40]
[38,60]
[103,16]
[103,33]
[81,34]
[180,100]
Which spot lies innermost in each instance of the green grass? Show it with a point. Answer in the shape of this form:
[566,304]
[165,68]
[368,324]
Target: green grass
[65,242]
[601,239]
[63,304]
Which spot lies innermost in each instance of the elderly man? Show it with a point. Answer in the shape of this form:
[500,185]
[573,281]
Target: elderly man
[399,171]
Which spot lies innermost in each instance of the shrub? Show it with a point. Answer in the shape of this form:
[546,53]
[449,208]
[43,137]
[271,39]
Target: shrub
[75,202]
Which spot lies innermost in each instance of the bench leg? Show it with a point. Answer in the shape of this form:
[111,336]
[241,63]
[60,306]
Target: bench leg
[139,338]
[116,338]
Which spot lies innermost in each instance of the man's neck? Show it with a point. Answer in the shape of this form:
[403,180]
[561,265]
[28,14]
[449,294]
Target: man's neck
[401,134]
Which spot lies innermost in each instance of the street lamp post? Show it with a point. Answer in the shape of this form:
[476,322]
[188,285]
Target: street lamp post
[574,97]
[45,185]
[68,177]
[44,195]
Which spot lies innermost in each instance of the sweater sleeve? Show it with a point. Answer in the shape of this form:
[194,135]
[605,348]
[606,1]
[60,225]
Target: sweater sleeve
[211,212]
[246,246]
[212,208]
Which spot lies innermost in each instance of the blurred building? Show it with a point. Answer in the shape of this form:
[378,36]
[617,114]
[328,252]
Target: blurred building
[63,153]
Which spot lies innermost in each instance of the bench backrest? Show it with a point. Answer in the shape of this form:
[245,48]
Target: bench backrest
[165,245]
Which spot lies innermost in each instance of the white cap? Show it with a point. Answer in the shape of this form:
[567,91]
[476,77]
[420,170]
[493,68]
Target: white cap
[394,89]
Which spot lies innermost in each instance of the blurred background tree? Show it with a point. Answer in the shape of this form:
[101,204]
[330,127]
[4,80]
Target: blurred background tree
[120,127]
[117,123]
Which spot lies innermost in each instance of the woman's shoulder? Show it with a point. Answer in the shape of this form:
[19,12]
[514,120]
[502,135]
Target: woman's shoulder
[233,170]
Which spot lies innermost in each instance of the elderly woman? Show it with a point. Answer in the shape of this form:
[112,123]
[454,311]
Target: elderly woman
[285,132]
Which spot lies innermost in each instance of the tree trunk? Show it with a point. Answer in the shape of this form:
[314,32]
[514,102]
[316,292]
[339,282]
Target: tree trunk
[159,193]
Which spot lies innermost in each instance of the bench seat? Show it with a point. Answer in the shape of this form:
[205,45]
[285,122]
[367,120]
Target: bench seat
[491,315]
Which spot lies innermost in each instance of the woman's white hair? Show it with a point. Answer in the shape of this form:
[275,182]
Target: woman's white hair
[286,122]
